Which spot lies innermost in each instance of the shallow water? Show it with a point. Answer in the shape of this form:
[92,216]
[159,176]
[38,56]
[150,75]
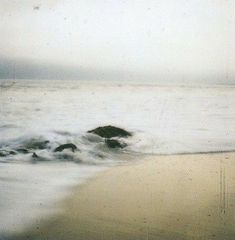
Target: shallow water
[163,120]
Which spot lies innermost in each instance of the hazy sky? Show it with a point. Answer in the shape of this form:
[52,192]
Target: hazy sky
[193,40]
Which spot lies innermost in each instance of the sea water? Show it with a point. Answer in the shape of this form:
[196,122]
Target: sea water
[162,119]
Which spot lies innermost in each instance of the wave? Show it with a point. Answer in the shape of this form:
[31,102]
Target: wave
[91,149]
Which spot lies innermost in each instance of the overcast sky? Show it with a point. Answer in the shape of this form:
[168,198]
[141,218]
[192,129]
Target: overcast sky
[165,40]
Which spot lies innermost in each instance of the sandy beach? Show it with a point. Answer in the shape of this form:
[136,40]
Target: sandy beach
[161,197]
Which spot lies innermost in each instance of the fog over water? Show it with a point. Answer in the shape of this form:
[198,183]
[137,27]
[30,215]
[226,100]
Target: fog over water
[162,41]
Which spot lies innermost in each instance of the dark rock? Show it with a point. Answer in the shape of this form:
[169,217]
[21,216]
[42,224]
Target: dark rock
[35,144]
[112,143]
[110,132]
[5,153]
[36,158]
[12,152]
[66,146]
[22,150]
[35,155]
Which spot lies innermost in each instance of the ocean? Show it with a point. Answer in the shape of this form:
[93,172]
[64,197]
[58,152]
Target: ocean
[162,120]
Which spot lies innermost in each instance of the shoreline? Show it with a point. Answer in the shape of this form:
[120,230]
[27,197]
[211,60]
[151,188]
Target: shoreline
[117,83]
[189,196]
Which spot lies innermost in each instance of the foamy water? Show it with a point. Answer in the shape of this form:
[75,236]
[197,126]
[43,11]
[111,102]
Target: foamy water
[163,120]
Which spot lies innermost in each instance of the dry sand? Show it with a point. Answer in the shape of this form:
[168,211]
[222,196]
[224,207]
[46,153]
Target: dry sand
[163,197]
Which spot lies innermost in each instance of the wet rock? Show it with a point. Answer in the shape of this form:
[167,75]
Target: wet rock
[5,153]
[66,146]
[113,143]
[35,155]
[12,153]
[37,158]
[22,150]
[110,132]
[36,144]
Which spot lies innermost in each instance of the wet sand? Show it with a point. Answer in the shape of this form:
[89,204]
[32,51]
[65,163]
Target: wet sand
[162,197]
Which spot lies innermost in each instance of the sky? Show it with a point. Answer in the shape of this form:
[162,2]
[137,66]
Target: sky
[157,40]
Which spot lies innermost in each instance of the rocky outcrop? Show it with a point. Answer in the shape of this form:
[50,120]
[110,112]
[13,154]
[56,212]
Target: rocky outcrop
[5,153]
[110,132]
[113,143]
[22,150]
[70,146]
[36,144]
[35,155]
